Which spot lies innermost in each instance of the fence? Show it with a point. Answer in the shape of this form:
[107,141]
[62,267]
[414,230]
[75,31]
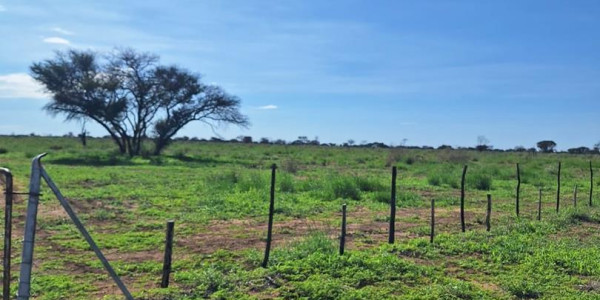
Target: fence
[38,172]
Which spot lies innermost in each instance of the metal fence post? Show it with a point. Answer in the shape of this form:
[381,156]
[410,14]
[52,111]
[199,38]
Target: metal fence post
[30,224]
[392,230]
[343,234]
[7,232]
[271,211]
[168,254]
[462,199]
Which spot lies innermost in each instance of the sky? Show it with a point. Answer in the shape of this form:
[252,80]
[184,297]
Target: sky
[398,72]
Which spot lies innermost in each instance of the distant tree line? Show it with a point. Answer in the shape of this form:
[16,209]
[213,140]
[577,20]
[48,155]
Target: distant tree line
[545,146]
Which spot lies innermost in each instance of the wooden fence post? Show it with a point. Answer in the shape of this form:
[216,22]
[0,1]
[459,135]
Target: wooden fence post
[8,197]
[271,210]
[432,234]
[462,199]
[488,217]
[392,230]
[343,235]
[166,271]
[558,189]
[539,216]
[518,189]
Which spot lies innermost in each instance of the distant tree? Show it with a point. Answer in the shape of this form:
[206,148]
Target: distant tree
[131,96]
[520,149]
[482,143]
[264,141]
[315,141]
[579,150]
[247,140]
[350,142]
[444,147]
[597,147]
[546,146]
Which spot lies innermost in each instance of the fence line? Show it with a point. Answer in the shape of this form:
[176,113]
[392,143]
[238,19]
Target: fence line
[38,172]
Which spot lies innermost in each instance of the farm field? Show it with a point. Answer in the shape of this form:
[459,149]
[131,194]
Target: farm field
[218,196]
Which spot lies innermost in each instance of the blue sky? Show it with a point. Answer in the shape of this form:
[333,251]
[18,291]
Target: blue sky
[430,72]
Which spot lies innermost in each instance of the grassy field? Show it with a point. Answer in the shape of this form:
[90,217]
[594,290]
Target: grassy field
[218,196]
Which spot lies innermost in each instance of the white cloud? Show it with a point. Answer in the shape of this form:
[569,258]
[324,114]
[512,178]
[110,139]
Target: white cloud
[270,106]
[56,40]
[2,8]
[20,85]
[62,31]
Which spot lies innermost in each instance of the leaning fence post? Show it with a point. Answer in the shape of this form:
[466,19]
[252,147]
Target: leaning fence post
[462,199]
[30,224]
[591,182]
[343,235]
[539,216]
[166,271]
[432,234]
[7,232]
[518,189]
[488,217]
[392,231]
[558,189]
[271,210]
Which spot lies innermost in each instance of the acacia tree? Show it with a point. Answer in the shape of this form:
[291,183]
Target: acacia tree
[546,146]
[131,96]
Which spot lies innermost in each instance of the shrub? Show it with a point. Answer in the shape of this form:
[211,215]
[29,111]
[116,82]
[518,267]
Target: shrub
[435,180]
[481,182]
[3,150]
[345,188]
[290,165]
[286,183]
[443,178]
[394,155]
[367,184]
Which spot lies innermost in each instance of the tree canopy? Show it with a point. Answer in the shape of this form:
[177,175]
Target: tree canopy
[132,96]
[546,146]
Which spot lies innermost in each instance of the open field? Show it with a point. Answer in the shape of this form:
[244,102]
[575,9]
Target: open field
[218,195]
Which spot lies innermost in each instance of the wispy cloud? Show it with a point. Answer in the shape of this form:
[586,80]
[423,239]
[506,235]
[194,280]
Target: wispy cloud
[56,40]
[270,106]
[20,85]
[2,8]
[62,31]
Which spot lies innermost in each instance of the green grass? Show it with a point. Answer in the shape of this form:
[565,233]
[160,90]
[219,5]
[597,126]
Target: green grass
[218,196]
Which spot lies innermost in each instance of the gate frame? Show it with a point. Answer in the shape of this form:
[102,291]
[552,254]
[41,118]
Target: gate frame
[37,173]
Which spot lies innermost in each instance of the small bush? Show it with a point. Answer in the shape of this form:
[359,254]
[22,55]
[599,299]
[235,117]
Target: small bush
[435,180]
[290,165]
[443,178]
[481,182]
[367,184]
[345,188]
[394,156]
[286,183]
[3,150]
